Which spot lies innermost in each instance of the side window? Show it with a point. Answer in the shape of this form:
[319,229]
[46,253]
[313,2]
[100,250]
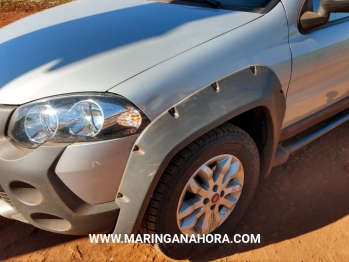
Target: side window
[334,16]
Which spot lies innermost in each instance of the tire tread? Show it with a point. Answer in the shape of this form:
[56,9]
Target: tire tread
[151,217]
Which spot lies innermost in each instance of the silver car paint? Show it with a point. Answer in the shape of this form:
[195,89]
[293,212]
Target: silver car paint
[175,79]
[320,75]
[162,68]
[94,45]
[199,113]
[93,171]
[263,41]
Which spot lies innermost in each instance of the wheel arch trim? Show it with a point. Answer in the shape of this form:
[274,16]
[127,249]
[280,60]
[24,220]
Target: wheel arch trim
[248,88]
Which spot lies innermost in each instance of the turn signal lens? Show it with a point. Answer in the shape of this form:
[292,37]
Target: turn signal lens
[130,118]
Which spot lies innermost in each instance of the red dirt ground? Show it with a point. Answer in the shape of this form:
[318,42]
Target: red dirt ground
[9,17]
[301,211]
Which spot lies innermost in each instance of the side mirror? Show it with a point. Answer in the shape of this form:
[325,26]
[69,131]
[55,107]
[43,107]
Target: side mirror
[310,20]
[335,6]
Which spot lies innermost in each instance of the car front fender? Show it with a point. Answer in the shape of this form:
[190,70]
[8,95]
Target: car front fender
[251,87]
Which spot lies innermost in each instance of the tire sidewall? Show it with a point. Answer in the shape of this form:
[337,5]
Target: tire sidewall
[240,148]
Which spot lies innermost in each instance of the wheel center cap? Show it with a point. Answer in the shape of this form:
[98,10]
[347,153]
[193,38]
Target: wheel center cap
[215,198]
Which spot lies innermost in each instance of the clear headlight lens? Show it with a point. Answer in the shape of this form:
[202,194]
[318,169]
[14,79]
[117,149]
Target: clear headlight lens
[75,118]
[40,124]
[88,118]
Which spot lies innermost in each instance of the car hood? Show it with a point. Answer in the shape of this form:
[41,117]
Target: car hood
[91,46]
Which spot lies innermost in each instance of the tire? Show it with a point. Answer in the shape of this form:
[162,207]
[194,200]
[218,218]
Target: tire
[163,213]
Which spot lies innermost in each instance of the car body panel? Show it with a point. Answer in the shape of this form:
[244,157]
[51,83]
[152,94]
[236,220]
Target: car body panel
[182,75]
[160,57]
[199,113]
[179,81]
[42,199]
[5,112]
[93,171]
[102,45]
[320,75]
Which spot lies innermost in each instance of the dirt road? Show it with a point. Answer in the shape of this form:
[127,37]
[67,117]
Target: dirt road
[301,211]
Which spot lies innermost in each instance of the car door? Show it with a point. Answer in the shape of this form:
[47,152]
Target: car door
[320,70]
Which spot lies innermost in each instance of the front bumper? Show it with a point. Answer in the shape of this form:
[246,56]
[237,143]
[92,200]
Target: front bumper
[45,188]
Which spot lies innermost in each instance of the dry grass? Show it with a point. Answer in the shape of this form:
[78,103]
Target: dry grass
[28,5]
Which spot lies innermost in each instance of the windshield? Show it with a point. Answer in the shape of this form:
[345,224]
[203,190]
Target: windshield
[239,3]
[246,3]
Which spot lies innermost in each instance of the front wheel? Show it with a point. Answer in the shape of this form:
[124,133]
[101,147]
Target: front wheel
[205,189]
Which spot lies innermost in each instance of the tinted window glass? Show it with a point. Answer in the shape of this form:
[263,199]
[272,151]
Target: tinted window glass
[334,16]
[239,3]
[246,3]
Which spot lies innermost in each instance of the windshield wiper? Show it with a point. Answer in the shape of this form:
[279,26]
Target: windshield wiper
[214,3]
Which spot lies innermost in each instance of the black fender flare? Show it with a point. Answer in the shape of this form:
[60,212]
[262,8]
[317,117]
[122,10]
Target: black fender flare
[251,87]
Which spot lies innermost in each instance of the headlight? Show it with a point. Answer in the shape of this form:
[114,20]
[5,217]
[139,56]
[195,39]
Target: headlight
[75,118]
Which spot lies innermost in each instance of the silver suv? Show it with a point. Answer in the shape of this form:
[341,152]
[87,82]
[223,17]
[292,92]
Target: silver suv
[161,116]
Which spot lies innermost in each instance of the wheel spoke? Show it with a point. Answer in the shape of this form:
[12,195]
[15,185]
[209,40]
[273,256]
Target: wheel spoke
[195,188]
[210,195]
[206,174]
[235,170]
[209,221]
[222,168]
[189,206]
[190,221]
[233,187]
[229,201]
[204,224]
